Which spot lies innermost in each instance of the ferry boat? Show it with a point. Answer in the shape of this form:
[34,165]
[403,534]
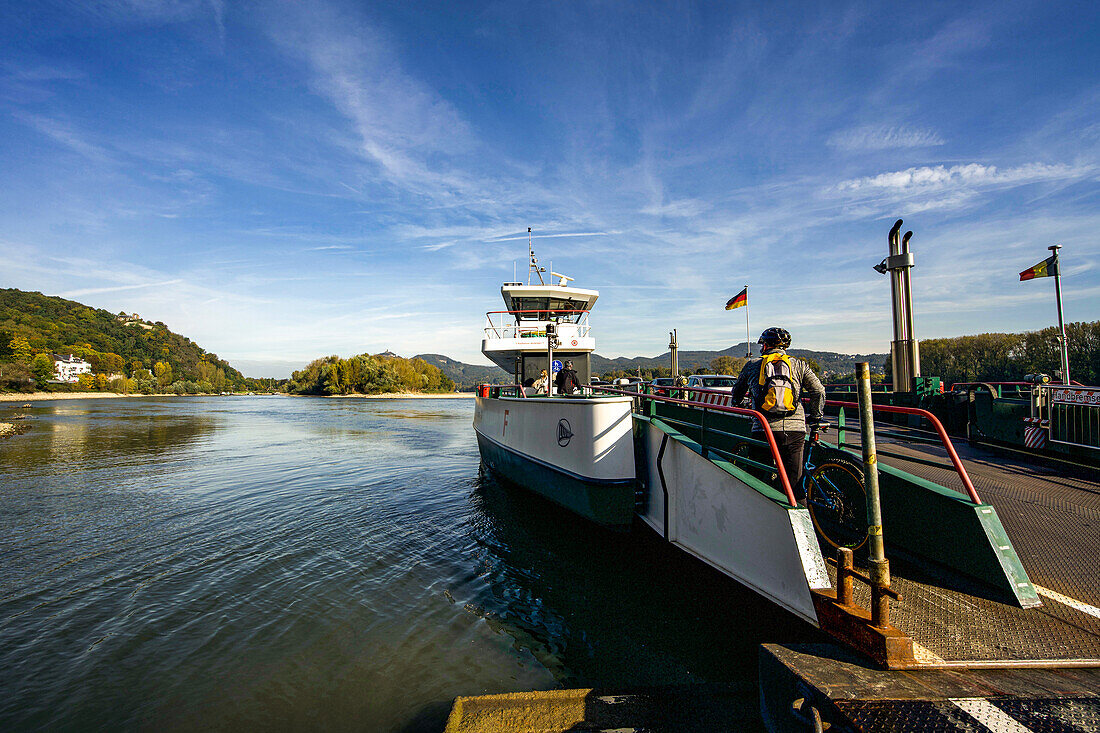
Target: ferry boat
[576,450]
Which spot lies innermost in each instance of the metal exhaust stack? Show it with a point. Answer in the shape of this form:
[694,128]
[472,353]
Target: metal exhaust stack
[672,350]
[904,352]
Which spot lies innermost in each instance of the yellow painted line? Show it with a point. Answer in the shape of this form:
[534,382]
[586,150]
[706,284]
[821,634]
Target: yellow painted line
[1067,601]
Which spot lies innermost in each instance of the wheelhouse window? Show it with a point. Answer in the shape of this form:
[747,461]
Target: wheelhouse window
[548,309]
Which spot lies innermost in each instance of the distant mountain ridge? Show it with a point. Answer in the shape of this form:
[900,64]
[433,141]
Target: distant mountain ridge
[467,375]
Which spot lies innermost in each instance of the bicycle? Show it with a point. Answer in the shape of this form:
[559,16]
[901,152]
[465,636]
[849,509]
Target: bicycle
[835,496]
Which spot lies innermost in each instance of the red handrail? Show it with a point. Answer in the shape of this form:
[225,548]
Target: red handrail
[720,408]
[959,468]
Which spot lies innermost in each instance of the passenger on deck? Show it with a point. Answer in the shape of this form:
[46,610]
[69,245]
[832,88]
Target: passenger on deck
[542,383]
[777,393]
[567,381]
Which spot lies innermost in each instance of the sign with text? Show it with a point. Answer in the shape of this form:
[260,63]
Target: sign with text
[1076,395]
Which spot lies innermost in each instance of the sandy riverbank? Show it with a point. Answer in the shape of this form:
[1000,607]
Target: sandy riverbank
[40,396]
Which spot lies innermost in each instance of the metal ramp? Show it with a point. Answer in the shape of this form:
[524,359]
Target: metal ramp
[1054,522]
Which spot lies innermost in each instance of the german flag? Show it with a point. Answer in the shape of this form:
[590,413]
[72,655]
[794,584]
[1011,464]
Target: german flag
[1046,268]
[738,300]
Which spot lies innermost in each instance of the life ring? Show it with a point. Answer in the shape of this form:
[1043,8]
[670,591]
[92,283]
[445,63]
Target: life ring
[484,390]
[574,342]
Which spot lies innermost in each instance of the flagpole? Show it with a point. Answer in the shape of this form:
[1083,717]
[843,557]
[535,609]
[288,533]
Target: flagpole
[748,339]
[1061,321]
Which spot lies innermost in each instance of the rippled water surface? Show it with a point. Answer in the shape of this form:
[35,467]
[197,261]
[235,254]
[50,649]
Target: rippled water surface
[272,562]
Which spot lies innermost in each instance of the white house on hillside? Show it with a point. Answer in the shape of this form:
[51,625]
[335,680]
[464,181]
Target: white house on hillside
[68,368]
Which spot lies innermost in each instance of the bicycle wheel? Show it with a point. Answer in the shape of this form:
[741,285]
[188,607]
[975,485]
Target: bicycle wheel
[838,503]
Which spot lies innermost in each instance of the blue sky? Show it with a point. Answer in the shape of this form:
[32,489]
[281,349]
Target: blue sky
[285,180]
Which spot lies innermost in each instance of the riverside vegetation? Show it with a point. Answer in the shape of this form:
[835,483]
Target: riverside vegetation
[126,355]
[368,374]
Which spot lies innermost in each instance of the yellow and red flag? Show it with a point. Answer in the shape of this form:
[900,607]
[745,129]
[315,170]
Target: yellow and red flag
[1046,268]
[738,300]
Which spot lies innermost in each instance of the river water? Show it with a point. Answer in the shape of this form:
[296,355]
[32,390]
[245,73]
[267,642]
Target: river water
[289,563]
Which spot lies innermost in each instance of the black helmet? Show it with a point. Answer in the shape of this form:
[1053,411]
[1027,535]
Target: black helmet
[774,338]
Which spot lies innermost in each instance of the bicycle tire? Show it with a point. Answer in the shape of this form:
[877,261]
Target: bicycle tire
[837,502]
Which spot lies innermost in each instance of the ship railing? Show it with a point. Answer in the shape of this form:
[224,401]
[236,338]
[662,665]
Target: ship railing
[509,325]
[768,443]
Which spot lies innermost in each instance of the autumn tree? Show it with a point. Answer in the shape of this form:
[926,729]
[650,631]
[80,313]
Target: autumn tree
[21,350]
[163,372]
[42,369]
[727,365]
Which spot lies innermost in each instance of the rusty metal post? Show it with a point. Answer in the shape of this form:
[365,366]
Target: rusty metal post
[880,602]
[879,567]
[844,576]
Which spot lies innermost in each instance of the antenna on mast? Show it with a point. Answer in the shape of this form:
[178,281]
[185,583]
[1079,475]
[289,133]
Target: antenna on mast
[534,267]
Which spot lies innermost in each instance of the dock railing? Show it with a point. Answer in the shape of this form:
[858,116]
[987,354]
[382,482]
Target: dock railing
[937,427]
[769,442]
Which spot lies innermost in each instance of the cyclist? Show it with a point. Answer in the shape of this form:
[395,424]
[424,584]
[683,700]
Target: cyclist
[776,383]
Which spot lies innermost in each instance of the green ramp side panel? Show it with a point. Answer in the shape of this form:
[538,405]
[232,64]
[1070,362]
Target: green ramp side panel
[1013,569]
[729,519]
[931,522]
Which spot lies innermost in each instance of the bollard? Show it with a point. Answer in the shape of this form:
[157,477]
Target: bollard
[879,567]
[844,567]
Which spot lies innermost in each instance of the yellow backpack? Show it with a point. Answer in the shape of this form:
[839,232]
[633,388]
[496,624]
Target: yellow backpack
[778,387]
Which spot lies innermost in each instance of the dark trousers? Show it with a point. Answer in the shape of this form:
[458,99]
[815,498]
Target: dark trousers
[790,446]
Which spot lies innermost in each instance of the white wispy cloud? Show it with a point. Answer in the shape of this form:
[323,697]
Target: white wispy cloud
[117,288]
[971,174]
[550,236]
[680,208]
[884,137]
[401,123]
[65,134]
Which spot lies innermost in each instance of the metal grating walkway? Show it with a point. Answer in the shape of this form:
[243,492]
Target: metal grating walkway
[1053,521]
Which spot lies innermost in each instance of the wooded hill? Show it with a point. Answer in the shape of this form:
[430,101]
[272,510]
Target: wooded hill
[33,323]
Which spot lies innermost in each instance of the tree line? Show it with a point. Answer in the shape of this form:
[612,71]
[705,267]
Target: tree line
[728,365]
[1008,357]
[368,374]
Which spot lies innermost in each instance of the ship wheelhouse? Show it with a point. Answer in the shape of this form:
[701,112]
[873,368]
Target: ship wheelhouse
[516,340]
